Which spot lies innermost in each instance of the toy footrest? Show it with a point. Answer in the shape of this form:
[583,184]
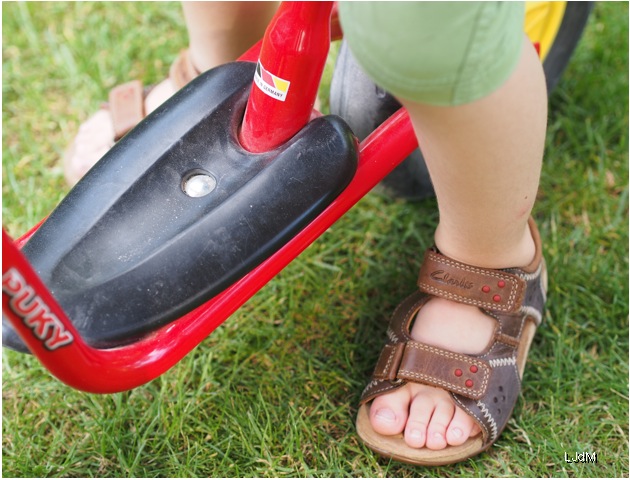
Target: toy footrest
[177,211]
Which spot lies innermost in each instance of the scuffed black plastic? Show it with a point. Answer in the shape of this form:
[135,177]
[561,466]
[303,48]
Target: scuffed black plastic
[127,251]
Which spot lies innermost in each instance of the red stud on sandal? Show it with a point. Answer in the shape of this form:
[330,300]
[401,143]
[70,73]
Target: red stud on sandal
[486,385]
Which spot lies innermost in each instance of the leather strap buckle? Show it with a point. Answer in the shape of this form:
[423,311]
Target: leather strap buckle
[389,362]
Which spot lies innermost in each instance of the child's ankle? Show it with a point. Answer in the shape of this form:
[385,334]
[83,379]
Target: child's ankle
[494,253]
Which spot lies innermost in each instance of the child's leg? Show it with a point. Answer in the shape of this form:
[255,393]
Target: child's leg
[484,159]
[484,156]
[219,32]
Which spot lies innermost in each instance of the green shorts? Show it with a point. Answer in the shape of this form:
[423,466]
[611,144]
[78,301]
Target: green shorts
[439,53]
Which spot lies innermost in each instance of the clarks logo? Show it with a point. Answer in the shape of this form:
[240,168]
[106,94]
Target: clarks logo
[445,278]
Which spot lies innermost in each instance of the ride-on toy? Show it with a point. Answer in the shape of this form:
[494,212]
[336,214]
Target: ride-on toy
[199,206]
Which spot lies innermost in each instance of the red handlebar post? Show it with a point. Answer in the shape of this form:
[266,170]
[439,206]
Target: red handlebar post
[288,73]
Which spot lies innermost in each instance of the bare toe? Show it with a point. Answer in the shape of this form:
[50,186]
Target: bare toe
[436,432]
[420,413]
[388,413]
[460,428]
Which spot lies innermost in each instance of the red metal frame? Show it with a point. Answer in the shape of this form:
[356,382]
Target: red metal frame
[50,335]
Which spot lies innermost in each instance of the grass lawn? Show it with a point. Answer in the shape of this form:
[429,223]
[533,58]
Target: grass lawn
[273,392]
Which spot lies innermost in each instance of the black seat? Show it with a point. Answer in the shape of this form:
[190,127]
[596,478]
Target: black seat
[129,250]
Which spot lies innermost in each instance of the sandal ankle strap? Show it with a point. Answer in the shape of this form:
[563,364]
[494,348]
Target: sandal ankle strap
[444,277]
[501,291]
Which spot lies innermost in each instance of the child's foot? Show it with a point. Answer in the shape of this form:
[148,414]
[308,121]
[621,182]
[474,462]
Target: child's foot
[427,415]
[99,133]
[451,369]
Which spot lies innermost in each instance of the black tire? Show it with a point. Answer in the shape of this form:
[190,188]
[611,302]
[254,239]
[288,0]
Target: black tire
[354,97]
[573,23]
[364,105]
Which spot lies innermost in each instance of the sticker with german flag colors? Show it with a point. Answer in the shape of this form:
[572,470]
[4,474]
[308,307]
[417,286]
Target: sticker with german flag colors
[273,86]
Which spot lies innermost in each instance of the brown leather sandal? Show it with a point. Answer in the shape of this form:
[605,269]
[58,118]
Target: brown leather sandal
[486,385]
[126,107]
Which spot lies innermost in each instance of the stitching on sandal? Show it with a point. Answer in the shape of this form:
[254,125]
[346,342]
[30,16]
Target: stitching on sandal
[532,312]
[392,335]
[449,386]
[502,362]
[458,298]
[528,277]
[376,393]
[496,274]
[389,361]
[470,412]
[406,317]
[493,424]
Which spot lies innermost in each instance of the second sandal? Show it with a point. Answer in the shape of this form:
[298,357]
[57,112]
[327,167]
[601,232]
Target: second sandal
[485,386]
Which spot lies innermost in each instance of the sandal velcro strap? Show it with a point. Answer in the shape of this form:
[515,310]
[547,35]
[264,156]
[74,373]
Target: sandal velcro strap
[182,70]
[126,106]
[495,290]
[420,363]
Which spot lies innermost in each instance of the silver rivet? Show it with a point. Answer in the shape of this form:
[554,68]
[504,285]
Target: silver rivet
[199,185]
